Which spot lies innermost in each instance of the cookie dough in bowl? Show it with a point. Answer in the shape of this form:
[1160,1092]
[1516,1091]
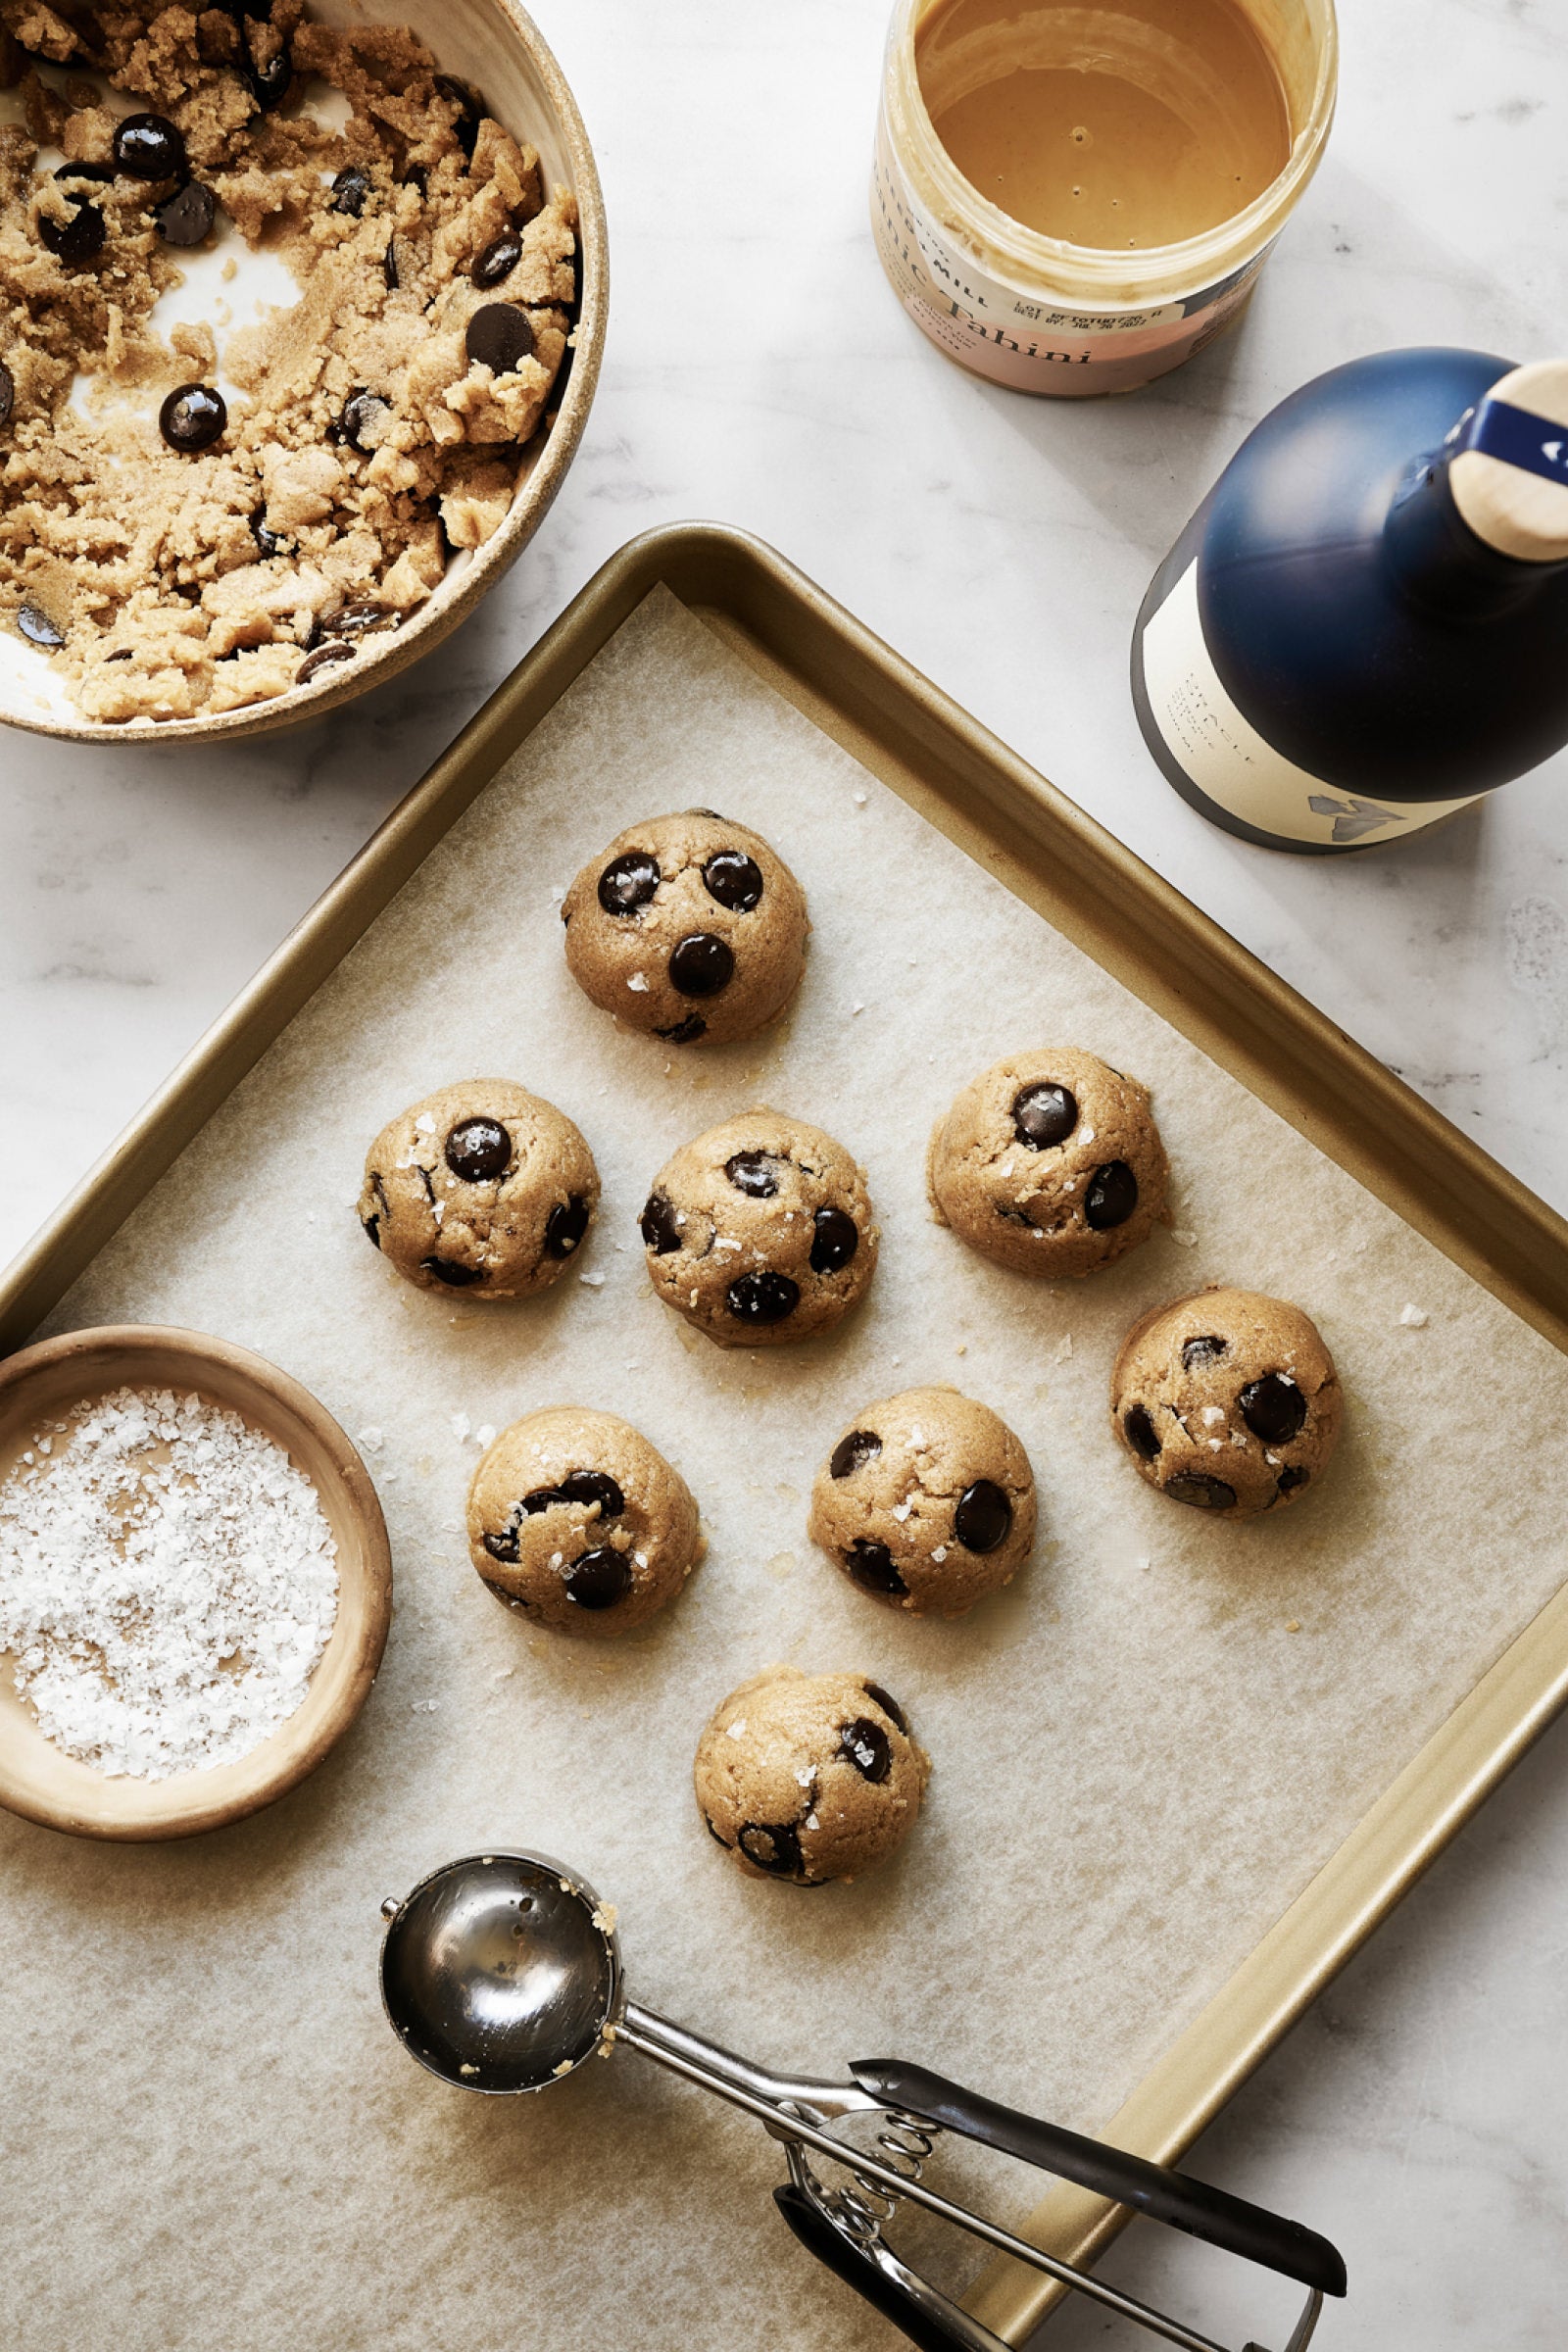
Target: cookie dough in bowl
[1050,1162]
[1227,1400]
[808,1776]
[303,310]
[926,1501]
[577,1522]
[690,927]
[481,1187]
[760,1231]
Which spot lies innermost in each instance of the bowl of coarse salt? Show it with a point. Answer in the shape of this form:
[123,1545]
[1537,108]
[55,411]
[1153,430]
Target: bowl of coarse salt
[195,1583]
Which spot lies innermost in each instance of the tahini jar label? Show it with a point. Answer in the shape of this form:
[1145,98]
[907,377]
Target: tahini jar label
[1223,753]
[1015,340]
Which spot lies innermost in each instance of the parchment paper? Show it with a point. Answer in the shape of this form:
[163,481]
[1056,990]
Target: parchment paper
[210,2135]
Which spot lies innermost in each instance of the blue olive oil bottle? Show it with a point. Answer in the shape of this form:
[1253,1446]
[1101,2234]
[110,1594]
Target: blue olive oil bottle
[1366,624]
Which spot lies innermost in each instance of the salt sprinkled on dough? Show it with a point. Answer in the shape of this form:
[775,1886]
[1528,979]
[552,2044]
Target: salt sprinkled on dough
[1414,1317]
[168,1581]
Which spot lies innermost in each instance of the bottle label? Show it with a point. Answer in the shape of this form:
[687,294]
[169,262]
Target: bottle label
[1223,753]
[1025,342]
[1518,436]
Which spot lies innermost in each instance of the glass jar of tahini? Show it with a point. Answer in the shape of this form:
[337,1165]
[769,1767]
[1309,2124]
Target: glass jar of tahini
[1072,200]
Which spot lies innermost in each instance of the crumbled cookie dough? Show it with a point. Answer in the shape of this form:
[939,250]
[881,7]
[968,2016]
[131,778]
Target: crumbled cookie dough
[199,527]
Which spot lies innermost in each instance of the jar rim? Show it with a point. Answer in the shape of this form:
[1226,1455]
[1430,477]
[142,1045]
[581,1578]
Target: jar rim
[1033,261]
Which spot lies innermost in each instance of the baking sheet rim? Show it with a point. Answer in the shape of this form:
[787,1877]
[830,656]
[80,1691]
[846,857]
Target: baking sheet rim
[754,594]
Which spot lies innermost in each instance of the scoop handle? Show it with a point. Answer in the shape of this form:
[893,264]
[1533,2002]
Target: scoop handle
[1154,2189]
[924,2314]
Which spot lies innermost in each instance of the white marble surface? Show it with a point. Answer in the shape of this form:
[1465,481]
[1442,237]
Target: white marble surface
[760,371]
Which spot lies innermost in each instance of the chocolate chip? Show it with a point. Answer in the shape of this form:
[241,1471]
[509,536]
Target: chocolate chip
[101,175]
[269,542]
[389,266]
[499,336]
[888,1706]
[834,1238]
[323,658]
[686,1032]
[866,1745]
[363,413]
[1141,1433]
[870,1566]
[983,1518]
[504,1547]
[478,1149]
[457,1277]
[124,654]
[700,964]
[351,191]
[371,1223]
[511,1600]
[541,1499]
[148,147]
[38,629]
[1205,1493]
[1043,1115]
[470,111]
[714,1833]
[752,1173]
[565,1226]
[187,216]
[1113,1196]
[364,617]
[850,1453]
[600,1579]
[1289,1480]
[1207,1348]
[589,1486]
[268,82]
[77,240]
[762,1296]
[7,393]
[418,177]
[498,260]
[658,1224]
[713,813]
[1273,1408]
[734,880]
[628,882]
[193,418]
[775,1851]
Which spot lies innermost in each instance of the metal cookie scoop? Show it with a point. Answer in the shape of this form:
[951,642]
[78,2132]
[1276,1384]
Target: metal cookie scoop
[501,1973]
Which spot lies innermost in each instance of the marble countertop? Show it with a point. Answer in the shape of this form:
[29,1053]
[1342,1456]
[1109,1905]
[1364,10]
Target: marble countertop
[760,371]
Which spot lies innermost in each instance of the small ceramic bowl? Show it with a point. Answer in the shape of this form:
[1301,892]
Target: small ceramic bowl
[497,49]
[38,1779]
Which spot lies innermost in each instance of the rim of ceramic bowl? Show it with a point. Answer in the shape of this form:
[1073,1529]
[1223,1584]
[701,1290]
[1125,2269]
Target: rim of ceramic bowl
[346,682]
[39,1779]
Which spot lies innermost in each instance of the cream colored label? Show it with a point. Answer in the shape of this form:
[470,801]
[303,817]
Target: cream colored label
[1225,757]
[997,331]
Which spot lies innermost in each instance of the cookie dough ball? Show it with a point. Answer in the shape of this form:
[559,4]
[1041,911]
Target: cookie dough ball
[927,1501]
[808,1776]
[576,1520]
[1227,1400]
[1051,1163]
[760,1231]
[688,926]
[481,1187]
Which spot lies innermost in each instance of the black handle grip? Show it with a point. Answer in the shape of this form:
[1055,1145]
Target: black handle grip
[1154,2189]
[922,2325]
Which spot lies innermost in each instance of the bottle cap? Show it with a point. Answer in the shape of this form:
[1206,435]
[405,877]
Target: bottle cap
[1509,471]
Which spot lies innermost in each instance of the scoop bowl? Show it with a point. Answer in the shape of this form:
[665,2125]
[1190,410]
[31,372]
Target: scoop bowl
[500,1972]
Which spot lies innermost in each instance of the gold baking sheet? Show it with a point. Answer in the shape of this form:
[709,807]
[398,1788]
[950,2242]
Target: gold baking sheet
[1112,1905]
